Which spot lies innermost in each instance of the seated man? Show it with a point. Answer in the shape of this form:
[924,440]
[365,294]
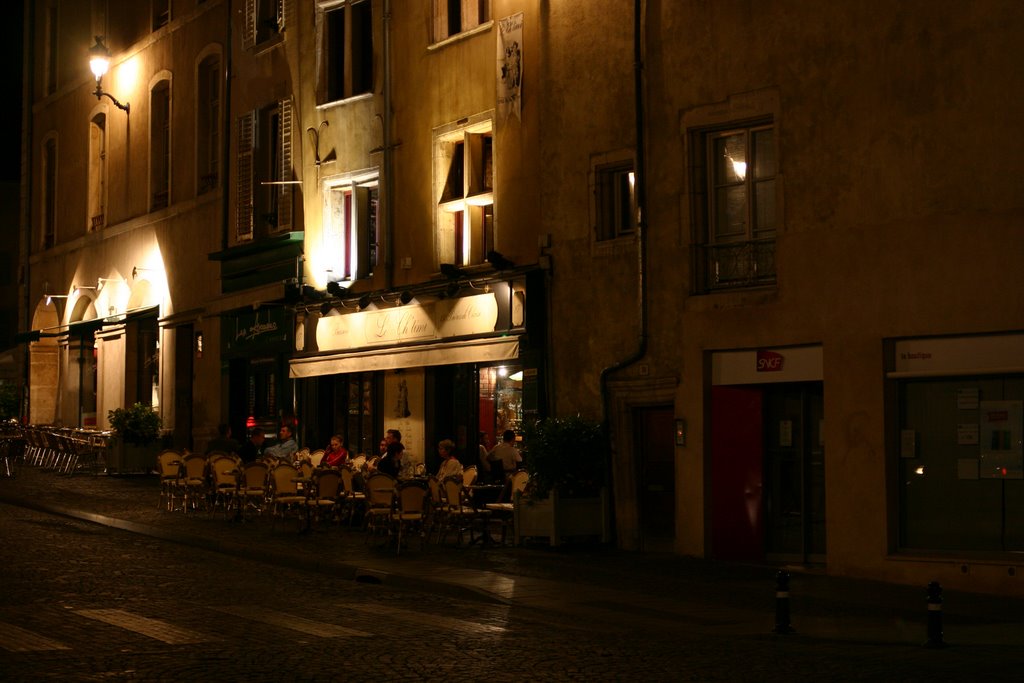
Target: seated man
[286,446]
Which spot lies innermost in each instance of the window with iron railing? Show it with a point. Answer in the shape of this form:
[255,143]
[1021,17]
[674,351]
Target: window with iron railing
[735,206]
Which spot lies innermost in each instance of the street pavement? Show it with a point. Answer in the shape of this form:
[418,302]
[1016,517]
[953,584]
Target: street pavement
[727,599]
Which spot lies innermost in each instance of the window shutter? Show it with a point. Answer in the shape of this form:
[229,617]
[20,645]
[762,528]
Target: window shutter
[361,196]
[244,208]
[440,20]
[284,199]
[283,10]
[249,31]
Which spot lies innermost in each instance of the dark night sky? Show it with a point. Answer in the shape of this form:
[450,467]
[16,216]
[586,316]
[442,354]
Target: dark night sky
[10,138]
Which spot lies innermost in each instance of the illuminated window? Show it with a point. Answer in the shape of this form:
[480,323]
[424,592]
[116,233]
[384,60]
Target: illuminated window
[452,17]
[208,124]
[464,186]
[614,198]
[734,205]
[264,190]
[350,225]
[346,56]
[160,145]
[97,172]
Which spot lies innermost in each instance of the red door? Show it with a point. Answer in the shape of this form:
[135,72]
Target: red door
[737,454]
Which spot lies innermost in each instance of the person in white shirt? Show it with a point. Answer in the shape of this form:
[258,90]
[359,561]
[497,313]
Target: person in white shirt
[450,465]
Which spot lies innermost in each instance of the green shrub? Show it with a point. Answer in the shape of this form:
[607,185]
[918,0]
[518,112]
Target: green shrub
[139,425]
[565,453]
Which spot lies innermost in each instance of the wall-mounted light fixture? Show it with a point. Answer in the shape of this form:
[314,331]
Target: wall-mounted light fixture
[77,289]
[51,297]
[452,271]
[364,301]
[406,297]
[99,62]
[139,269]
[499,261]
[335,289]
[101,281]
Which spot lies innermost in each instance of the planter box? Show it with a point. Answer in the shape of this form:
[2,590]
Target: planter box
[123,458]
[557,518]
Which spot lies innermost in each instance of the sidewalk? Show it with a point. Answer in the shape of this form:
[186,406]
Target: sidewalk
[712,596]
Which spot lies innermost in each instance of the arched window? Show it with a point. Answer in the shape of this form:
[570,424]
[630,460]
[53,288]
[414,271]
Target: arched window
[160,145]
[208,124]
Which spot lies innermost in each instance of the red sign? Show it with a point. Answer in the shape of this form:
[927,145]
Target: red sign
[769,361]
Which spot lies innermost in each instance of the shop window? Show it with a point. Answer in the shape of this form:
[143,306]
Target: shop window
[464,175]
[49,203]
[346,54]
[263,390]
[350,226]
[452,17]
[734,203]
[958,454]
[97,172]
[614,210]
[160,145]
[208,124]
[264,190]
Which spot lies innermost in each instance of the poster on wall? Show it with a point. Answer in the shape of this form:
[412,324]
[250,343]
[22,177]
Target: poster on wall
[1002,450]
[403,409]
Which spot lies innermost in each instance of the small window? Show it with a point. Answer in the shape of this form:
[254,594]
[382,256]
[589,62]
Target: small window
[161,13]
[264,21]
[350,226]
[614,200]
[735,205]
[49,203]
[465,192]
[96,218]
[452,17]
[346,38]
[52,45]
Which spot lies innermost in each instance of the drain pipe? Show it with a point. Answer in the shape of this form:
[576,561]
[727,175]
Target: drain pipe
[389,183]
[28,73]
[641,231]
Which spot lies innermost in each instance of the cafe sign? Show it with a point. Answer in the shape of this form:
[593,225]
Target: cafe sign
[442,319]
[261,330]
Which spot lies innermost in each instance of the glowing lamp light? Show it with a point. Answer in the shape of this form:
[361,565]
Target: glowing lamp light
[250,422]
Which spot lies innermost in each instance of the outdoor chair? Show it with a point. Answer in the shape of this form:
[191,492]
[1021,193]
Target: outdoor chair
[459,515]
[411,499]
[224,476]
[352,499]
[504,509]
[192,483]
[317,457]
[253,488]
[168,465]
[324,493]
[284,493]
[380,493]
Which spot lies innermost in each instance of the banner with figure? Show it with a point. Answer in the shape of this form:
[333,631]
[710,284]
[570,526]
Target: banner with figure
[510,66]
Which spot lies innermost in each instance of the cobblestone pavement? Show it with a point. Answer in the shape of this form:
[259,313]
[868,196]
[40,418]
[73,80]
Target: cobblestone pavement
[432,613]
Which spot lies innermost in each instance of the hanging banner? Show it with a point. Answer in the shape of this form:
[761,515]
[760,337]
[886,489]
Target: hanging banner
[510,66]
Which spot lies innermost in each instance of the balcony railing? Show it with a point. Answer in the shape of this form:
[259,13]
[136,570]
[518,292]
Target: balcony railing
[738,264]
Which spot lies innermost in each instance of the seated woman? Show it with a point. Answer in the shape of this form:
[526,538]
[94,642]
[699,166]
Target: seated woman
[450,465]
[335,455]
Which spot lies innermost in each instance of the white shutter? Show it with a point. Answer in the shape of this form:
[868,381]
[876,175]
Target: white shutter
[284,198]
[249,30]
[243,201]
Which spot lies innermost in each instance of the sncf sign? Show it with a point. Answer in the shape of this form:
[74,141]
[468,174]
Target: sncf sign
[769,361]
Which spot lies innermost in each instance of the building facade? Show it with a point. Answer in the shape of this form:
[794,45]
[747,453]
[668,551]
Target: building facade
[773,248]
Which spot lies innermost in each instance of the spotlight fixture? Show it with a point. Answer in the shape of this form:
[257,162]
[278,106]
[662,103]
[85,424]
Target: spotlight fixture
[452,289]
[325,308]
[51,297]
[139,269]
[335,289]
[499,261]
[406,297]
[99,62]
[452,271]
[311,292]
[364,301]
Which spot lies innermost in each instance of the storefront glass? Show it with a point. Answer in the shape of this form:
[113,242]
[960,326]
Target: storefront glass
[500,401]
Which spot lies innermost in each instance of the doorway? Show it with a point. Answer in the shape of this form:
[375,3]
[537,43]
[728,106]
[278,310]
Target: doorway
[654,429]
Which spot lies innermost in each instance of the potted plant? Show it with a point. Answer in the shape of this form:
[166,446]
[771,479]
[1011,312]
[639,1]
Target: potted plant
[137,433]
[567,459]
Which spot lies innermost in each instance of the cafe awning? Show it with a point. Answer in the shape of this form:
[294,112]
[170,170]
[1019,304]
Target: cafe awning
[451,353]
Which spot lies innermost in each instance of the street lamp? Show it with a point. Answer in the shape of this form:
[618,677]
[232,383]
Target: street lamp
[99,62]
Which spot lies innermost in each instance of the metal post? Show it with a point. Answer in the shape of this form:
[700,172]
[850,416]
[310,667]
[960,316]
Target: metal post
[935,615]
[782,624]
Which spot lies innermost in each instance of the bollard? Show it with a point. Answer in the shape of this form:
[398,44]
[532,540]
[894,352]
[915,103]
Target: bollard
[935,615]
[782,624]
